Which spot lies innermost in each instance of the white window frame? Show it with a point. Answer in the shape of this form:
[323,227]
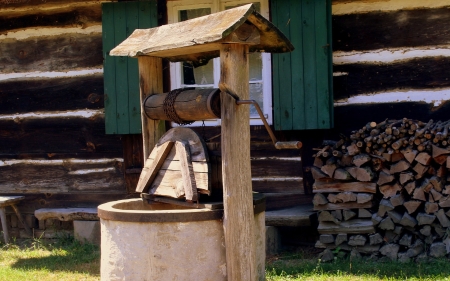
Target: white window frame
[173,8]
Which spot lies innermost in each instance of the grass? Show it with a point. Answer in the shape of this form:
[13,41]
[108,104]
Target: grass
[305,266]
[62,259]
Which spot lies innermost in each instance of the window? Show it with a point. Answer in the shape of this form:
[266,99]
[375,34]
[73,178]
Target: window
[208,76]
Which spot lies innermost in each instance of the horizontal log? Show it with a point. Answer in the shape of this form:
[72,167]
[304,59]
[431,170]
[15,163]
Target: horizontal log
[51,94]
[62,176]
[398,29]
[54,53]
[357,226]
[367,78]
[278,185]
[39,4]
[344,206]
[322,186]
[276,201]
[50,136]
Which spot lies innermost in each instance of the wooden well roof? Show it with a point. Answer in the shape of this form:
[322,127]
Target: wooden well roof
[200,38]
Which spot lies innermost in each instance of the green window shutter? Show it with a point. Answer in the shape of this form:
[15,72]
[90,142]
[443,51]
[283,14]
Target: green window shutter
[302,79]
[121,74]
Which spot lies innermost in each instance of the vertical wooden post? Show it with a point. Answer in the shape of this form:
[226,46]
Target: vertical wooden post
[237,194]
[150,82]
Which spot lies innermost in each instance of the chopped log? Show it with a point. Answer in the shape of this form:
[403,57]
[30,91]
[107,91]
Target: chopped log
[440,231]
[342,206]
[410,187]
[332,198]
[337,214]
[326,216]
[415,249]
[363,198]
[325,186]
[395,216]
[446,190]
[364,174]
[441,159]
[348,214]
[444,202]
[352,171]
[331,161]
[431,208]
[376,219]
[397,200]
[411,206]
[386,224]
[423,158]
[399,167]
[406,240]
[356,226]
[436,195]
[319,199]
[406,177]
[425,230]
[384,178]
[390,190]
[391,237]
[329,169]
[441,172]
[426,185]
[438,250]
[337,153]
[410,155]
[326,238]
[317,173]
[318,162]
[448,162]
[408,220]
[419,194]
[375,239]
[397,157]
[342,174]
[384,206]
[437,183]
[361,159]
[398,230]
[425,219]
[445,222]
[353,149]
[363,213]
[346,160]
[438,151]
[340,238]
[357,240]
[346,197]
[420,170]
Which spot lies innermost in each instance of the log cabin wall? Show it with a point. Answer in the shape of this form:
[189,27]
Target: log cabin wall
[391,60]
[53,146]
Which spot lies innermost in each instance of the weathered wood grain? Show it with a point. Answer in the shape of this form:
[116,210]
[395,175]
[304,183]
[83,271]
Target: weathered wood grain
[51,94]
[357,226]
[50,136]
[405,28]
[62,176]
[337,186]
[418,73]
[51,53]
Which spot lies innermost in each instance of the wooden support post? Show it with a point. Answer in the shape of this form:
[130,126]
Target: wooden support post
[150,82]
[4,224]
[237,185]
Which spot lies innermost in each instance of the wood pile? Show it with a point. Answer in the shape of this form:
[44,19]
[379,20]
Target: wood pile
[385,190]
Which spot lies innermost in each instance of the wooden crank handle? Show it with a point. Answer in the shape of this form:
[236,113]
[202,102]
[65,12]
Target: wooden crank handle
[288,145]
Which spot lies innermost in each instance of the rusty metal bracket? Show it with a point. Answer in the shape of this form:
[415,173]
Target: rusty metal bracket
[278,144]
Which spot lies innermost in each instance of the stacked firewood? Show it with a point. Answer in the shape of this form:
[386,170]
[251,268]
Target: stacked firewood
[384,190]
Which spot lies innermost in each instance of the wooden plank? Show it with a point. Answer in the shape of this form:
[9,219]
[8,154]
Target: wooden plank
[133,111]
[51,136]
[51,94]
[423,27]
[277,185]
[357,226]
[321,186]
[366,78]
[152,166]
[187,171]
[67,214]
[237,190]
[295,216]
[59,15]
[56,53]
[344,206]
[309,47]
[275,201]
[170,183]
[109,69]
[150,81]
[297,72]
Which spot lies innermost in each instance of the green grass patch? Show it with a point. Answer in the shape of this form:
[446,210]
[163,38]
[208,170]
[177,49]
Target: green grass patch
[289,267]
[56,259]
